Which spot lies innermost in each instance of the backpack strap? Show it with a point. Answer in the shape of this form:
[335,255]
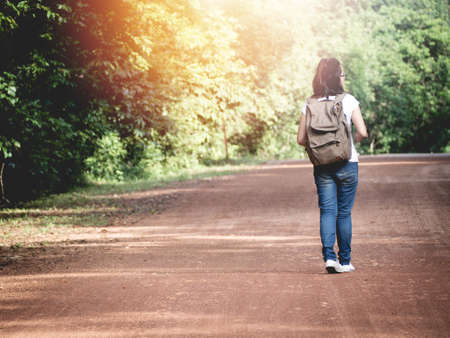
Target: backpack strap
[308,118]
[339,97]
[337,100]
[308,102]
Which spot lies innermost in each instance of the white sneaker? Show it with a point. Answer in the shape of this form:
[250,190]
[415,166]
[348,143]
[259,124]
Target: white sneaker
[333,266]
[348,267]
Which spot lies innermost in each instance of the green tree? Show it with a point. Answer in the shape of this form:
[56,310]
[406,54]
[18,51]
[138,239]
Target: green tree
[44,110]
[413,93]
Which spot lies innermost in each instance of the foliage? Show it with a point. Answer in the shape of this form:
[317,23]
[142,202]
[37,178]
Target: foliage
[107,160]
[412,96]
[133,88]
[47,126]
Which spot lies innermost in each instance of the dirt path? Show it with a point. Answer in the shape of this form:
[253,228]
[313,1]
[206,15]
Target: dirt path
[239,256]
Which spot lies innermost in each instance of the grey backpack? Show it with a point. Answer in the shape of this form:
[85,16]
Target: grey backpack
[328,137]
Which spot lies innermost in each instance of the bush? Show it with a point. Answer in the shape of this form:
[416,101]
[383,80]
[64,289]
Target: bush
[107,163]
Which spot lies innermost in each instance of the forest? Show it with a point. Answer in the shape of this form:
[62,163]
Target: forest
[125,89]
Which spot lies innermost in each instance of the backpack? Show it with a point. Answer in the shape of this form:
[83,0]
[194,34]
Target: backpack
[328,137]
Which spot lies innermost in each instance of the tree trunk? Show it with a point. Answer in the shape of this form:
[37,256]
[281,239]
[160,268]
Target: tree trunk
[3,198]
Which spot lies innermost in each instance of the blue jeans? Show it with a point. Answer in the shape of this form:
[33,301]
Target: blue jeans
[336,188]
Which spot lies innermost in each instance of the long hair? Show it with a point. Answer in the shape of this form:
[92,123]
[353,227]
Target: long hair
[327,79]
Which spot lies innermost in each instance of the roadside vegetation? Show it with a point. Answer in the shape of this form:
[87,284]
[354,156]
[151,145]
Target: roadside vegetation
[99,204]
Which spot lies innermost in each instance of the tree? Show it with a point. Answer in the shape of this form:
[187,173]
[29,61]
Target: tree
[45,111]
[410,101]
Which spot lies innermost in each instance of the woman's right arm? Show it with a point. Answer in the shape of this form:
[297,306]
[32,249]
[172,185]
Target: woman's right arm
[301,135]
[358,122]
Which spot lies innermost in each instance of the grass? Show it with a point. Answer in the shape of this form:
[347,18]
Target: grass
[55,218]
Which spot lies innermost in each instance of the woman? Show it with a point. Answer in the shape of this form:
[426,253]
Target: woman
[336,183]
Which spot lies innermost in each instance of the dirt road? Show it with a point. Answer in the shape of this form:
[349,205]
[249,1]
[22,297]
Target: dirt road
[239,256]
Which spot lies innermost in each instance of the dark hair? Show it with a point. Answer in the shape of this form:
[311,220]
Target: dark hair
[327,79]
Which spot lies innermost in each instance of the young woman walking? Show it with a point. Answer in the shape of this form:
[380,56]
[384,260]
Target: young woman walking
[336,183]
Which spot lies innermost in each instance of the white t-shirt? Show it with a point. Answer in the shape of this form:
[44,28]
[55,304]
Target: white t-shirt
[349,103]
